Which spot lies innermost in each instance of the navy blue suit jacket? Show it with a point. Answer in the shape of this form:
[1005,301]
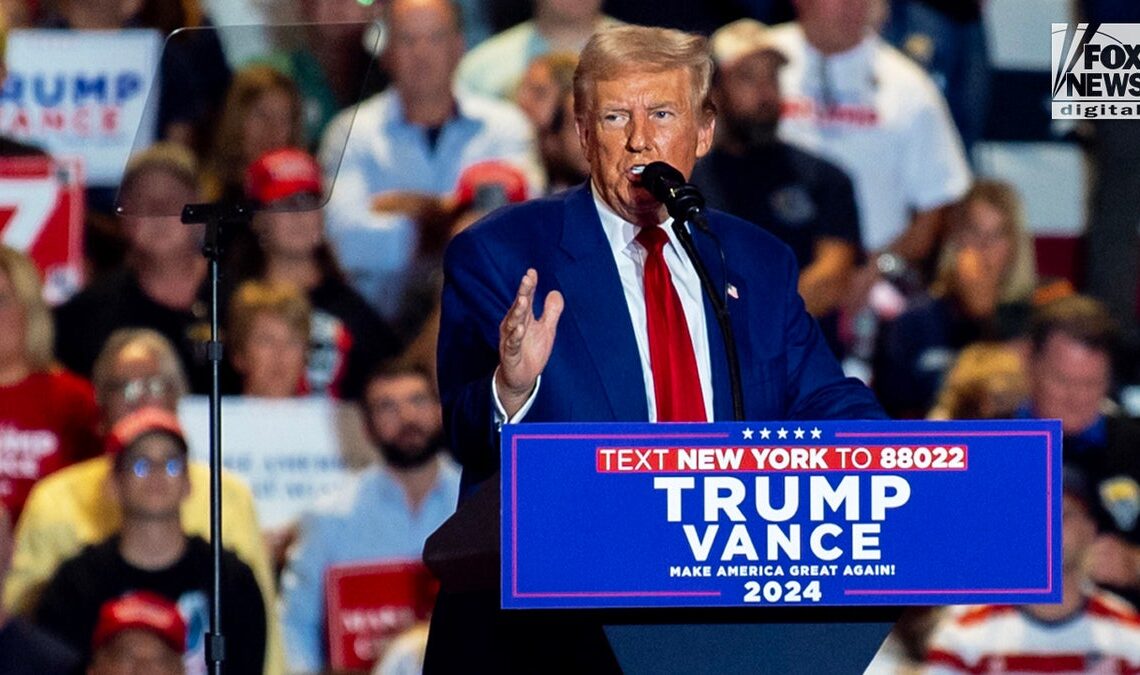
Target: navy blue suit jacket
[594,373]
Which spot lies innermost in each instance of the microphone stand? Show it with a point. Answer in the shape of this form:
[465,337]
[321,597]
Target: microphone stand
[716,299]
[216,217]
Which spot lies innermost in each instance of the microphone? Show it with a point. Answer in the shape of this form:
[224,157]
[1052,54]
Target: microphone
[682,200]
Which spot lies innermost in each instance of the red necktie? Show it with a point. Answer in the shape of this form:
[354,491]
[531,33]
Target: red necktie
[676,384]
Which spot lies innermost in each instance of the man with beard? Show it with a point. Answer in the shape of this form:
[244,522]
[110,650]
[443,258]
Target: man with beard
[807,202]
[387,513]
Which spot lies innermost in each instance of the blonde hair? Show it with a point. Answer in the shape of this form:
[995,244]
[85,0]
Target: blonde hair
[283,300]
[226,165]
[985,375]
[169,366]
[622,49]
[173,158]
[39,330]
[1021,278]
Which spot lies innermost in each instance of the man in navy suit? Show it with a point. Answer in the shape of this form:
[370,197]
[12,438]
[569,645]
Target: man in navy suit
[641,95]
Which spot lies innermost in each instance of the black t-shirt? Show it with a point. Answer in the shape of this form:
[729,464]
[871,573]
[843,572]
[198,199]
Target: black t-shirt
[69,606]
[796,196]
[83,324]
[27,650]
[371,338]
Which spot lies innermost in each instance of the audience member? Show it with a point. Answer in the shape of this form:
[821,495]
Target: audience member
[262,113]
[948,39]
[48,417]
[387,513]
[347,338]
[495,67]
[987,381]
[268,338]
[1074,340]
[544,84]
[25,649]
[71,508]
[163,286]
[985,281]
[194,73]
[417,136]
[138,633]
[1089,632]
[483,187]
[805,201]
[857,101]
[328,47]
[152,552]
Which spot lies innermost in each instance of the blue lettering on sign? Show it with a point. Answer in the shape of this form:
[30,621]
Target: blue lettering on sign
[49,91]
[90,87]
[53,89]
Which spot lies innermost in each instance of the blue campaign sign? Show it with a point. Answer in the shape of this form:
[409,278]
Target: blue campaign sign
[781,513]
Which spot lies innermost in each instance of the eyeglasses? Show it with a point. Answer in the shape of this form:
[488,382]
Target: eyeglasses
[144,466]
[136,389]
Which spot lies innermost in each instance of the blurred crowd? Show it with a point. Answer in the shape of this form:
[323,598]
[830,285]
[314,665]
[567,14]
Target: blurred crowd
[366,134]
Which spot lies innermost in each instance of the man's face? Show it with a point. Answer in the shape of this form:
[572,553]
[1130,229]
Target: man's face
[1069,380]
[424,47]
[635,120]
[404,418]
[748,96]
[136,652]
[151,478]
[137,381]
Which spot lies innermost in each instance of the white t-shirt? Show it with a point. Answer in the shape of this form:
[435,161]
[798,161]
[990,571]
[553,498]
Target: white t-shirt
[887,126]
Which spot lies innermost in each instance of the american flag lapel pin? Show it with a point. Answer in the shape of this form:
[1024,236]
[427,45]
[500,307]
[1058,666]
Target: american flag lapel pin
[733,293]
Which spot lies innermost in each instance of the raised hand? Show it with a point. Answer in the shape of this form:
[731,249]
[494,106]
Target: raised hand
[525,343]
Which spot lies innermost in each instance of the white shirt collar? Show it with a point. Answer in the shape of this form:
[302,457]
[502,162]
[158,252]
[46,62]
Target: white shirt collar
[620,233]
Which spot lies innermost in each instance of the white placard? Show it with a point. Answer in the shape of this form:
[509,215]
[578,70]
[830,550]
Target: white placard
[82,93]
[288,450]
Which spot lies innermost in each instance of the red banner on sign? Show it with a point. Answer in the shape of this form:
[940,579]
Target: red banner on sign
[41,213]
[368,605]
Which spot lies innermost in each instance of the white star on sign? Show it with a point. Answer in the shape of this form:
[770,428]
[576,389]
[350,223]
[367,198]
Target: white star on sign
[815,432]
[782,433]
[765,433]
[799,432]
[747,433]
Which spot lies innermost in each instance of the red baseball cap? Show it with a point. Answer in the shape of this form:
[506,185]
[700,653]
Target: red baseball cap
[141,610]
[141,422]
[489,185]
[282,173]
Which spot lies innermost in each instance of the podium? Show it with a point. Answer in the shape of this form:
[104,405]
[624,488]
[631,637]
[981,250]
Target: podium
[699,549]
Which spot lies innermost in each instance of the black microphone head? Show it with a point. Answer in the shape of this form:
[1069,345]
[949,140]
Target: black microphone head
[660,178]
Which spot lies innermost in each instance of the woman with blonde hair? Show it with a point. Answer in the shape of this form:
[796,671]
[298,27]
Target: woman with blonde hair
[48,417]
[262,112]
[982,291]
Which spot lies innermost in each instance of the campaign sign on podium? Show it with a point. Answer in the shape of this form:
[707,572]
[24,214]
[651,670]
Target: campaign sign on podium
[780,514]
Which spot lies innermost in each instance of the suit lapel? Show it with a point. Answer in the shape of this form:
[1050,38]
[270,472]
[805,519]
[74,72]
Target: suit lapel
[722,386]
[596,303]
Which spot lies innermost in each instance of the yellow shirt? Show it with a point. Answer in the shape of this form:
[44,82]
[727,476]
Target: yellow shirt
[73,507]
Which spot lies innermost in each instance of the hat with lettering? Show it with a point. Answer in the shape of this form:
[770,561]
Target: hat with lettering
[141,610]
[488,185]
[141,422]
[740,38]
[282,173]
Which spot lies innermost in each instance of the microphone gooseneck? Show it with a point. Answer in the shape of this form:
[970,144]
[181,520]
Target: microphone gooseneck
[685,204]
